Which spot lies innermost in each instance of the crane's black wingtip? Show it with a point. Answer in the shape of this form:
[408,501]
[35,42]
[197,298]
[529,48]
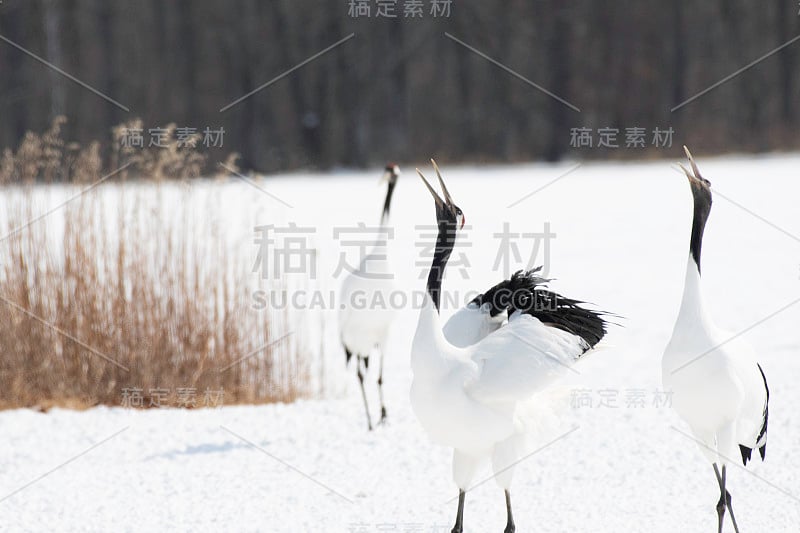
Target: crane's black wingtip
[347,353]
[746,453]
[761,441]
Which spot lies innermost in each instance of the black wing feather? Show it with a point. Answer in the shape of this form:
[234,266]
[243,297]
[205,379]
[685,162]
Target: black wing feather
[526,292]
[761,442]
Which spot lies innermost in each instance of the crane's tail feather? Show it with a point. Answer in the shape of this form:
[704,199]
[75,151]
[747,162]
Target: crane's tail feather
[761,440]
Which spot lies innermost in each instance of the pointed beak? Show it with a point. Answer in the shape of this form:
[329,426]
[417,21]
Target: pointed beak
[448,200]
[686,171]
[694,176]
[691,161]
[447,196]
[436,198]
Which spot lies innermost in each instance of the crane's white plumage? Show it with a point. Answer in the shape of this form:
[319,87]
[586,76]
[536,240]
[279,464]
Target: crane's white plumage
[717,385]
[715,379]
[474,375]
[365,313]
[467,397]
[363,319]
[472,323]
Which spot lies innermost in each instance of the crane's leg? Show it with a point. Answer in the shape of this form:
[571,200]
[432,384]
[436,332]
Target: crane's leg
[510,527]
[724,499]
[380,391]
[459,527]
[725,441]
[504,457]
[465,465]
[728,501]
[721,502]
[363,392]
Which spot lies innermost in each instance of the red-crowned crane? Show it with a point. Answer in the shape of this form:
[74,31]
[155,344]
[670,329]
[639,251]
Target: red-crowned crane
[363,327]
[717,385]
[471,374]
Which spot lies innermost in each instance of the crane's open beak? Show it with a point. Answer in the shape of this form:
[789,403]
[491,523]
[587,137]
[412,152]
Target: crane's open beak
[447,196]
[436,197]
[448,200]
[694,177]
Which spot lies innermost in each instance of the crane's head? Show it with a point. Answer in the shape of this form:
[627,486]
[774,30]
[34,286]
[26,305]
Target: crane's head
[447,212]
[390,174]
[701,187]
[701,192]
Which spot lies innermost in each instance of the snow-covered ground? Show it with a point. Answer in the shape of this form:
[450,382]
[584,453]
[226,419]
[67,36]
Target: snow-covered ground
[621,242]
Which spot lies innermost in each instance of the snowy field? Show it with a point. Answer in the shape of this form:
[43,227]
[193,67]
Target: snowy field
[616,465]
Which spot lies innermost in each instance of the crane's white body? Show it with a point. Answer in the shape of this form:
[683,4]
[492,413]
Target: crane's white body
[365,311]
[716,385]
[469,395]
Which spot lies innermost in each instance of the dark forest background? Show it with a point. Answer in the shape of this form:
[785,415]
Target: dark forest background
[400,89]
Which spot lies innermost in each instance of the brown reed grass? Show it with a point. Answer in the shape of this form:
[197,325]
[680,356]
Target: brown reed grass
[124,296]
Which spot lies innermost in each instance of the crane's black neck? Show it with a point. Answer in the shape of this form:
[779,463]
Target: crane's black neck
[445,242]
[388,202]
[702,208]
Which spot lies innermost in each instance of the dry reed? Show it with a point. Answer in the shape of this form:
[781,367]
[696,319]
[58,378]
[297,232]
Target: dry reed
[125,296]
